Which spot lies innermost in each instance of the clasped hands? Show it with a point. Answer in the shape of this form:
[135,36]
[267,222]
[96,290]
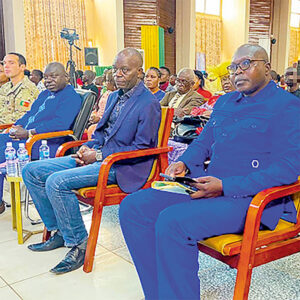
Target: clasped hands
[17,133]
[85,156]
[208,186]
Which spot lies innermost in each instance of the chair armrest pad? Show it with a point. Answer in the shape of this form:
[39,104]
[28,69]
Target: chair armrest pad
[66,146]
[4,126]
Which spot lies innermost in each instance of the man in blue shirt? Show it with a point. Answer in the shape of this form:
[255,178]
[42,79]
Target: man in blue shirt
[55,109]
[130,122]
[252,140]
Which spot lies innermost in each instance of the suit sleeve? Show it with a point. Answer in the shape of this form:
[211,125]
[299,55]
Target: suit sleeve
[194,102]
[165,100]
[146,132]
[285,166]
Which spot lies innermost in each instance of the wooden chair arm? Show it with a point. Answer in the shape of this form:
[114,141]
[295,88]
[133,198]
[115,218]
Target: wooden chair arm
[4,126]
[111,159]
[62,149]
[44,136]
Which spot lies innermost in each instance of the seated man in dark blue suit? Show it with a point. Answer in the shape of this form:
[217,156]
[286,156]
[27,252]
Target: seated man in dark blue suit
[130,122]
[55,109]
[252,139]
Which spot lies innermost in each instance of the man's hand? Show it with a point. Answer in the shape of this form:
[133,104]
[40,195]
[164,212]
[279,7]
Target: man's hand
[175,169]
[208,187]
[18,133]
[85,156]
[179,112]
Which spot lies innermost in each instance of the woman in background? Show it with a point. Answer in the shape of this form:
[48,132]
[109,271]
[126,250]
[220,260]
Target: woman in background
[199,85]
[151,80]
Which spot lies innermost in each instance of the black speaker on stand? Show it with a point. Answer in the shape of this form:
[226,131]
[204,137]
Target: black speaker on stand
[91,56]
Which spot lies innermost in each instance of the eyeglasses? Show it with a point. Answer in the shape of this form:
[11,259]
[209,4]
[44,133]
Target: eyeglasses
[244,65]
[182,81]
[123,70]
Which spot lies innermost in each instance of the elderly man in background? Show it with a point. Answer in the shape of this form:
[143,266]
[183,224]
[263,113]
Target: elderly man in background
[36,77]
[87,79]
[185,98]
[17,95]
[292,81]
[55,109]
[252,139]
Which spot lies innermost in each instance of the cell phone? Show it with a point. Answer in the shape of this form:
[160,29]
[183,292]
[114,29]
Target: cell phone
[183,180]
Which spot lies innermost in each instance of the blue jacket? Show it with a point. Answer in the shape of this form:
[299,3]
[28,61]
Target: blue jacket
[61,109]
[253,144]
[136,128]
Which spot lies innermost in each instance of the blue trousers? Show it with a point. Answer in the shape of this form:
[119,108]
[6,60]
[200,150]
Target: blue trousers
[161,230]
[50,184]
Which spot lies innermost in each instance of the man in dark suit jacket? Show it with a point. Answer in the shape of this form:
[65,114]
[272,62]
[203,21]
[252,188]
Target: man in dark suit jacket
[130,122]
[184,99]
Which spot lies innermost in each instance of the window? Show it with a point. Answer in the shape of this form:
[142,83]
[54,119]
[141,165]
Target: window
[295,14]
[210,7]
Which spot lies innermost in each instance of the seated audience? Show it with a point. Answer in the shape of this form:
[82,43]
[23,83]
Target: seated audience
[55,109]
[164,84]
[282,83]
[290,77]
[3,77]
[99,111]
[274,76]
[36,77]
[79,75]
[87,80]
[199,85]
[249,152]
[17,95]
[152,82]
[184,99]
[130,122]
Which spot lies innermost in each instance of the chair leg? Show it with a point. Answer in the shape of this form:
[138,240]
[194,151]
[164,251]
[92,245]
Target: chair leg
[243,281]
[92,240]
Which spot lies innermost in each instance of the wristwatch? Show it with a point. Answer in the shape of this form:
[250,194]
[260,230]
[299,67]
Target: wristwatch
[99,155]
[30,133]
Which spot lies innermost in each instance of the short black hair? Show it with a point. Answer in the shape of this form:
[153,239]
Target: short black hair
[22,60]
[156,70]
[27,72]
[165,68]
[39,73]
[200,76]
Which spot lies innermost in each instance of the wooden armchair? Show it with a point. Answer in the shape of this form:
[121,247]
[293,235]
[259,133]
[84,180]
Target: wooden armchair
[256,247]
[104,195]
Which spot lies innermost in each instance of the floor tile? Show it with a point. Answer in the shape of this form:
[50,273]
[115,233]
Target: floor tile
[6,293]
[2,283]
[124,253]
[112,278]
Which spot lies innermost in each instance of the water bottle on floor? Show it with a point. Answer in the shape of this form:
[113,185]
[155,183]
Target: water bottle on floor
[23,157]
[11,160]
[44,150]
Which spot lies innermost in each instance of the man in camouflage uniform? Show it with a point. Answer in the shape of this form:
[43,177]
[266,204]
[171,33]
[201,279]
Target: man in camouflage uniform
[17,95]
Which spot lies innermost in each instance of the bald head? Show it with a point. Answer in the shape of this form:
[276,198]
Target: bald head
[250,69]
[88,76]
[127,67]
[185,80]
[55,77]
[252,51]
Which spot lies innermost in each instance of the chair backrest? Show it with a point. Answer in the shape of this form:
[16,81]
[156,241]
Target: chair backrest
[88,101]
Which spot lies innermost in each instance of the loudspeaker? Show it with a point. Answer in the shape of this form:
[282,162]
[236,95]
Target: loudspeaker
[91,56]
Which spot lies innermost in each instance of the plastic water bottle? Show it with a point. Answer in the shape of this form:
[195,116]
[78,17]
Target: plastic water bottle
[11,160]
[23,157]
[44,150]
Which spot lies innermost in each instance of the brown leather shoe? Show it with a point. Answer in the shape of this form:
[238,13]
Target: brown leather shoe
[2,207]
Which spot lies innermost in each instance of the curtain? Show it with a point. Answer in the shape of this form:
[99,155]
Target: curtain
[294,53]
[44,19]
[208,38]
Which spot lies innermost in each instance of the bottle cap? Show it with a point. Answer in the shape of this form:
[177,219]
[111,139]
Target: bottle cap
[44,142]
[21,145]
[9,144]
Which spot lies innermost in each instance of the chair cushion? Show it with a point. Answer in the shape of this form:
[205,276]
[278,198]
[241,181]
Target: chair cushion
[230,244]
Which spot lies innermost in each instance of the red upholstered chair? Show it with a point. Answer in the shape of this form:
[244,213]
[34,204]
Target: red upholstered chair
[256,247]
[104,195]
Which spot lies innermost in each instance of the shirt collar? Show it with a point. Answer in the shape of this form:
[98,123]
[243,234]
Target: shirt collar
[129,93]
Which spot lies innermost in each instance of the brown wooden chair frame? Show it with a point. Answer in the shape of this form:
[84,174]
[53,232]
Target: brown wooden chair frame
[254,250]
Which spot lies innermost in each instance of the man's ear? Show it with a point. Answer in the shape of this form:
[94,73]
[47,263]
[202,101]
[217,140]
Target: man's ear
[268,68]
[23,67]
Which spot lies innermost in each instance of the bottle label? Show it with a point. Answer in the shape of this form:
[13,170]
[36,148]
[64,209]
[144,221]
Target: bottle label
[44,154]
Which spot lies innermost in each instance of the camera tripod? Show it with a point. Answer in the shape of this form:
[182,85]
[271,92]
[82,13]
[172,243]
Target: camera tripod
[71,66]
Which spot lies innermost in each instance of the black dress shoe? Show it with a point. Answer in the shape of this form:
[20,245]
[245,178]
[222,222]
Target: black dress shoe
[72,261]
[2,207]
[56,241]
